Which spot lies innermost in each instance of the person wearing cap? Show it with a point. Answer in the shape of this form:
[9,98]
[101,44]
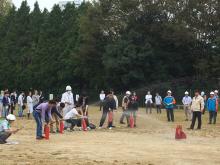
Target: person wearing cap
[42,114]
[5,128]
[212,106]
[101,98]
[197,108]
[158,102]
[148,102]
[169,102]
[187,100]
[67,98]
[125,101]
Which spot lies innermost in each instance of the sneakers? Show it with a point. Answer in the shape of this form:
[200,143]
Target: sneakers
[40,138]
[110,128]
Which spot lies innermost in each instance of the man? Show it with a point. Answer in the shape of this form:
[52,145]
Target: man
[101,98]
[12,102]
[56,116]
[42,114]
[187,100]
[6,104]
[83,103]
[169,102]
[158,102]
[148,102]
[67,99]
[20,104]
[115,98]
[212,106]
[73,118]
[109,106]
[125,101]
[197,108]
[35,98]
[217,97]
[5,128]
[132,108]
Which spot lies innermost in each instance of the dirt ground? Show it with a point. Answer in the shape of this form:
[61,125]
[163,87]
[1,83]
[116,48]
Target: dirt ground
[151,143]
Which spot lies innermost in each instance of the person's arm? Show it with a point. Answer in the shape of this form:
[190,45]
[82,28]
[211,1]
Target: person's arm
[216,106]
[202,105]
[58,113]
[183,100]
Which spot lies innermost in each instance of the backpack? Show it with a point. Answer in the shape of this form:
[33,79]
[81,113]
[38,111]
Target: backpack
[92,126]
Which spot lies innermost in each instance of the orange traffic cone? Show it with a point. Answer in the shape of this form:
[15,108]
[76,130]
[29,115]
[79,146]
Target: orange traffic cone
[61,127]
[131,121]
[47,132]
[84,126]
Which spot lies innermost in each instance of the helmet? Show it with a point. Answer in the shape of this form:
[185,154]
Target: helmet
[128,93]
[186,93]
[68,88]
[212,93]
[216,91]
[202,93]
[169,91]
[11,117]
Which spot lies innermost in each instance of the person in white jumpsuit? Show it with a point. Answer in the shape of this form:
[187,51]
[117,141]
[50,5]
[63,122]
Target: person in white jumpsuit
[29,105]
[67,98]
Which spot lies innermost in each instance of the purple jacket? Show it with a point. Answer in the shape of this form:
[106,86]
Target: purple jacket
[44,109]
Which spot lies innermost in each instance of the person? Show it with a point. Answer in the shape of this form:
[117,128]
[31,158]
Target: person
[158,102]
[56,116]
[83,103]
[41,97]
[29,104]
[5,128]
[169,102]
[35,98]
[102,98]
[1,103]
[187,100]
[133,108]
[67,99]
[125,106]
[205,100]
[197,108]
[20,104]
[212,106]
[42,114]
[218,100]
[148,102]
[12,102]
[6,104]
[109,106]
[74,118]
[115,98]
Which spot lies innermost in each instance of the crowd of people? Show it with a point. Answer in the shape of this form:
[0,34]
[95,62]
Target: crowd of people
[72,111]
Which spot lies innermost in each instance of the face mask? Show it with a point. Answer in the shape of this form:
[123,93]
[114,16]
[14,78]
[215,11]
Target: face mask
[69,92]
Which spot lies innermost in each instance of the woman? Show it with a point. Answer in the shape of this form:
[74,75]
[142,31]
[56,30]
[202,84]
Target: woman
[35,98]
[29,105]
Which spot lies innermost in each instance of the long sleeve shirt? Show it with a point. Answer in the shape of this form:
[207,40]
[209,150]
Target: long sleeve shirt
[148,99]
[102,97]
[187,100]
[20,100]
[197,103]
[67,98]
[44,109]
[158,100]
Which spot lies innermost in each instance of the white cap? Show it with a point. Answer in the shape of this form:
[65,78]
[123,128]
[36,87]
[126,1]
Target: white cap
[186,93]
[169,91]
[216,91]
[68,88]
[202,93]
[212,93]
[11,117]
[128,93]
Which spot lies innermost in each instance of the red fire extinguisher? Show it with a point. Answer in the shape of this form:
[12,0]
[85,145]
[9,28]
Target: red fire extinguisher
[47,132]
[61,127]
[131,121]
[84,126]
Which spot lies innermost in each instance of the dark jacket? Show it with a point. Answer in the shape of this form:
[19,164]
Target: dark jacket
[109,103]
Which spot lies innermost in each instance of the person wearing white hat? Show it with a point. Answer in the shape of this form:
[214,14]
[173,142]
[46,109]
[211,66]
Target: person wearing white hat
[212,106]
[125,102]
[169,102]
[5,128]
[187,100]
[67,98]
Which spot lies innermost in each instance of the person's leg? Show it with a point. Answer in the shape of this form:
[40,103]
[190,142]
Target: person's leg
[150,108]
[4,136]
[146,109]
[186,112]
[111,122]
[104,115]
[135,117]
[199,116]
[157,109]
[193,120]
[210,117]
[168,115]
[214,117]
[57,122]
[122,116]
[172,114]
[128,113]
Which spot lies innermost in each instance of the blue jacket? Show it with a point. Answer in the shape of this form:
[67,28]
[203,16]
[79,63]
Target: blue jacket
[169,102]
[212,104]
